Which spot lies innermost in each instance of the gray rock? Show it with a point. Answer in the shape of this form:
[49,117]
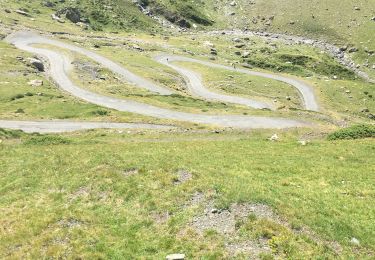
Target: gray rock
[246,65]
[56,18]
[23,13]
[36,63]
[35,83]
[73,15]
[246,54]
[176,257]
[354,241]
[240,45]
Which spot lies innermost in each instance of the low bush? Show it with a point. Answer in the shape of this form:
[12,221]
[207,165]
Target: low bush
[9,134]
[47,140]
[353,132]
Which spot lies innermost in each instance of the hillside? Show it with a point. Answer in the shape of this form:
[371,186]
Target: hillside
[168,129]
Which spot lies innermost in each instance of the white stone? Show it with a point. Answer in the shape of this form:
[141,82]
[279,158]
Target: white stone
[176,257]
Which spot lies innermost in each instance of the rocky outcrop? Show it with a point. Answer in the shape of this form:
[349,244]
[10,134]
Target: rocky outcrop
[38,64]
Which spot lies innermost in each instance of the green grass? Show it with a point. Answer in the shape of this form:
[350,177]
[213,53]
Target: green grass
[73,200]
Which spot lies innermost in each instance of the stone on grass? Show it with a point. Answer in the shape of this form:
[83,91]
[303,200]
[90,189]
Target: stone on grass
[354,241]
[36,63]
[23,13]
[274,138]
[56,18]
[176,257]
[35,83]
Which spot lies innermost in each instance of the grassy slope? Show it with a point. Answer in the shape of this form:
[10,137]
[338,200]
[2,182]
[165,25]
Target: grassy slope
[72,200]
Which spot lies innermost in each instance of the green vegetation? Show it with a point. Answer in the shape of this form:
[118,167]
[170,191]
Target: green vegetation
[354,132]
[78,200]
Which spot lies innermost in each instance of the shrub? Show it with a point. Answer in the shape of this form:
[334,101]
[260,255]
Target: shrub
[100,112]
[47,140]
[353,132]
[18,96]
[8,134]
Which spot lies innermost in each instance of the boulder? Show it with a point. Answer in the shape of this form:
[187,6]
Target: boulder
[240,45]
[23,13]
[73,15]
[246,65]
[35,83]
[246,54]
[56,18]
[351,50]
[274,138]
[354,241]
[36,63]
[176,257]
[213,51]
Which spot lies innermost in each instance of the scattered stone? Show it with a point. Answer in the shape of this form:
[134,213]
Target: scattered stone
[73,15]
[241,45]
[365,110]
[56,18]
[23,13]
[213,51]
[130,172]
[35,83]
[347,91]
[246,54]
[288,98]
[246,65]
[354,241]
[209,44]
[7,11]
[373,19]
[351,50]
[237,40]
[137,47]
[343,48]
[302,142]
[237,53]
[176,257]
[233,3]
[292,22]
[274,138]
[36,63]
[357,8]
[49,4]
[183,176]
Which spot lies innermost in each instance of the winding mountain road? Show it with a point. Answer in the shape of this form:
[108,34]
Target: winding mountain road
[60,66]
